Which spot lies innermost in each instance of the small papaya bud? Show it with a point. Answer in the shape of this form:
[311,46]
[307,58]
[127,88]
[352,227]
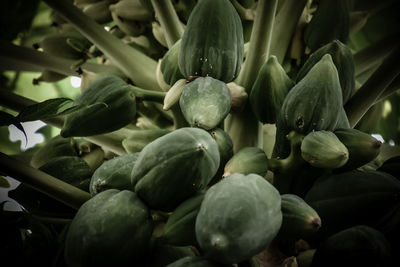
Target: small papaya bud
[169,65]
[322,149]
[160,77]
[132,10]
[158,33]
[129,27]
[247,160]
[174,93]
[99,11]
[205,102]
[269,90]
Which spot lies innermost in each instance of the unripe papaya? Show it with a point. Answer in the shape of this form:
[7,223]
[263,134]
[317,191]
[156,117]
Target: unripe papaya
[238,218]
[330,22]
[162,255]
[225,148]
[299,219]
[131,10]
[99,11]
[205,102]
[113,174]
[169,65]
[180,227]
[138,139]
[212,44]
[110,106]
[193,262]
[128,26]
[69,45]
[391,166]
[342,58]
[269,90]
[356,246]
[247,160]
[70,169]
[322,149]
[362,147]
[174,167]
[55,147]
[313,104]
[352,198]
[120,220]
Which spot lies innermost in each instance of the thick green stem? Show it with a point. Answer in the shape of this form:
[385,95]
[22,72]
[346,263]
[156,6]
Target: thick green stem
[111,141]
[260,42]
[374,54]
[41,181]
[147,95]
[393,87]
[244,128]
[284,27]
[19,58]
[370,91]
[169,20]
[137,66]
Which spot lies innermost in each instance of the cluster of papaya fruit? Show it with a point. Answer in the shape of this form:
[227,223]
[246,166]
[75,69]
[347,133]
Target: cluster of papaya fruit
[182,192]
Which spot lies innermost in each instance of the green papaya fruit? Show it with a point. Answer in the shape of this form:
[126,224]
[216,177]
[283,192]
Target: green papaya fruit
[313,104]
[180,227]
[322,149]
[192,261]
[162,255]
[299,219]
[391,166]
[342,58]
[330,22]
[247,160]
[113,174]
[99,11]
[225,148]
[138,139]
[356,246]
[55,147]
[131,10]
[205,102]
[128,26]
[169,65]
[269,90]
[112,228]
[352,198]
[212,44]
[69,45]
[174,167]
[110,106]
[238,218]
[362,147]
[71,169]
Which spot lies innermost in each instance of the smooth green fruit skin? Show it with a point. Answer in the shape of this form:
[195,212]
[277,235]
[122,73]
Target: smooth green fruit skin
[356,246]
[300,220]
[205,102]
[55,147]
[330,22]
[174,167]
[342,58]
[212,44]
[248,160]
[192,261]
[169,65]
[322,149]
[111,229]
[113,174]
[238,218]
[180,227]
[71,169]
[162,255]
[269,91]
[111,106]
[138,139]
[355,197]
[362,147]
[313,104]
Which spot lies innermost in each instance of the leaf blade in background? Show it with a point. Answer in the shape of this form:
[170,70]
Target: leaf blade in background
[4,183]
[8,119]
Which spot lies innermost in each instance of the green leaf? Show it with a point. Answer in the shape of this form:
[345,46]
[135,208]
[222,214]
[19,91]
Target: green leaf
[48,109]
[4,182]
[8,119]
